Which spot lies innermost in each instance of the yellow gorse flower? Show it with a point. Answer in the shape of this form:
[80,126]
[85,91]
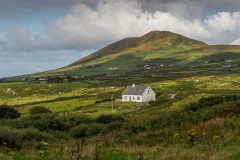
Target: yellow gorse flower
[193,136]
[45,144]
[62,141]
[176,136]
[41,153]
[195,143]
[215,137]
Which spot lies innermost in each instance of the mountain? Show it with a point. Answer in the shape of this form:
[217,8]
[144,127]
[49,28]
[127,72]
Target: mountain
[149,41]
[154,56]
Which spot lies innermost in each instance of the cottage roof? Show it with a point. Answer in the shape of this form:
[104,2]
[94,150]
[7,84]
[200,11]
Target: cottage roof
[134,90]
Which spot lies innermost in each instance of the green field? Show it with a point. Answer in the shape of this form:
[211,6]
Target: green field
[196,114]
[145,132]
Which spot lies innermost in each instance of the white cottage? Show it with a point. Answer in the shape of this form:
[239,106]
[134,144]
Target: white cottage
[135,93]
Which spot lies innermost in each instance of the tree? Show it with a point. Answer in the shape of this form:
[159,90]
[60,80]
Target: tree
[8,112]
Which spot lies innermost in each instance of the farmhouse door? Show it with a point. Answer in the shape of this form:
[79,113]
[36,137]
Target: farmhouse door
[130,98]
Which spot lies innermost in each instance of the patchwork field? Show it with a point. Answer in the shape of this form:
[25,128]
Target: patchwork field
[69,114]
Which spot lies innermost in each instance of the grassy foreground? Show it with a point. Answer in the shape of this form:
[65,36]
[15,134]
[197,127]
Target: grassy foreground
[193,118]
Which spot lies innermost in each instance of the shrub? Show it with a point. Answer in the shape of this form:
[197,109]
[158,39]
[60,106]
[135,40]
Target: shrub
[155,103]
[79,131]
[61,135]
[75,120]
[9,138]
[85,130]
[94,129]
[106,119]
[209,102]
[54,79]
[112,126]
[32,134]
[8,112]
[103,100]
[19,138]
[45,122]
[78,108]
[39,110]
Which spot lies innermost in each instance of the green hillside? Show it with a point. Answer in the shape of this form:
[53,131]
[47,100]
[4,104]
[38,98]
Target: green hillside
[155,40]
[157,55]
[196,114]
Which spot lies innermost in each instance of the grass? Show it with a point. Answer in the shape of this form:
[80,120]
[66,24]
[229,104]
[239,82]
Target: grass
[67,96]
[172,149]
[234,157]
[178,74]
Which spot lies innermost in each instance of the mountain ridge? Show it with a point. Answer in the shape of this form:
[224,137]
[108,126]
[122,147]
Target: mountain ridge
[161,37]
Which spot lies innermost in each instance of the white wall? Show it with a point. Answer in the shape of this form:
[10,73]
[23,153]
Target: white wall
[149,95]
[134,98]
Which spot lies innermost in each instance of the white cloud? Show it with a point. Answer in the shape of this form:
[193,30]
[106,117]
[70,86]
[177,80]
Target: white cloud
[90,27]
[236,42]
[84,27]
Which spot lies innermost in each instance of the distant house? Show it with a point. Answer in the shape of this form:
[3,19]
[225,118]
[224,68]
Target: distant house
[135,93]
[42,79]
[26,79]
[227,66]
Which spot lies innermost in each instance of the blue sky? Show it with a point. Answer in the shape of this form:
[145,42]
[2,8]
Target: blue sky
[39,35]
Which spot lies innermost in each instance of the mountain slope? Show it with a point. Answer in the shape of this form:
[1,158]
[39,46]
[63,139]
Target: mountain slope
[149,41]
[157,55]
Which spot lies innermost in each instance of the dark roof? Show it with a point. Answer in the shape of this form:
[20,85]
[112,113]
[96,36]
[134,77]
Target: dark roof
[134,90]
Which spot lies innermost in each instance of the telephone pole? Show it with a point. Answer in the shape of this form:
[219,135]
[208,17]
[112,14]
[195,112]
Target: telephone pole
[112,102]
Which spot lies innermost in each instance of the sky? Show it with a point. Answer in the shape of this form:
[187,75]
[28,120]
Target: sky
[40,35]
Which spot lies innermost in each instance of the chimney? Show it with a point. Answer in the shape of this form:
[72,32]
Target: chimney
[133,85]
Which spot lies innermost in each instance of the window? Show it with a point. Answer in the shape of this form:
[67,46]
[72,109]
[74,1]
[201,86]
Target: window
[125,97]
[148,91]
[138,98]
[133,98]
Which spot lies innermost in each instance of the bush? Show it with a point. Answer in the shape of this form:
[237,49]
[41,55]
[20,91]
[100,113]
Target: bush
[32,134]
[103,100]
[79,131]
[78,108]
[19,138]
[54,79]
[75,120]
[9,138]
[85,130]
[112,127]
[94,129]
[106,119]
[210,101]
[8,112]
[45,122]
[155,103]
[39,110]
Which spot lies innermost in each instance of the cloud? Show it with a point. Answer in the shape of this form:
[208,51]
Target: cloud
[84,27]
[224,27]
[193,9]
[3,45]
[236,42]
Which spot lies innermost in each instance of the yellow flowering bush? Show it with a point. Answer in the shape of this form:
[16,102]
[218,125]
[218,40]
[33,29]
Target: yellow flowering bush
[193,136]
